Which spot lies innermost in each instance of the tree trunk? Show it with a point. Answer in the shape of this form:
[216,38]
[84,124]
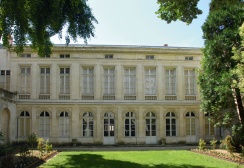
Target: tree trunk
[239,104]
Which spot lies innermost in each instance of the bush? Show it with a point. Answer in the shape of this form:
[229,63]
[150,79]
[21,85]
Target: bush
[201,144]
[227,144]
[214,143]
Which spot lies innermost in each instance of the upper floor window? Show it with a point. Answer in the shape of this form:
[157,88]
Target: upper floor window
[109,56]
[45,81]
[64,80]
[5,79]
[190,82]
[130,81]
[170,81]
[87,81]
[189,58]
[150,81]
[25,55]
[64,56]
[109,81]
[25,79]
[150,57]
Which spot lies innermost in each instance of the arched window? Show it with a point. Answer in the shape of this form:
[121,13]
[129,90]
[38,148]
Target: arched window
[44,124]
[64,126]
[190,123]
[150,124]
[209,126]
[170,124]
[87,125]
[130,127]
[24,124]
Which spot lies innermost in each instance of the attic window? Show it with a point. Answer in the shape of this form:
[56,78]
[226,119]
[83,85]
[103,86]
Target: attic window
[189,58]
[64,56]
[109,56]
[25,55]
[150,57]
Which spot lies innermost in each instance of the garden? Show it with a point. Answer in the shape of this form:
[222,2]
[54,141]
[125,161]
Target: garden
[37,152]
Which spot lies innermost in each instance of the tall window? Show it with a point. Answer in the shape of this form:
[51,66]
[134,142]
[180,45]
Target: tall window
[130,124]
[150,124]
[170,82]
[190,82]
[87,125]
[25,80]
[209,126]
[45,81]
[5,79]
[44,124]
[87,79]
[170,124]
[24,124]
[109,81]
[64,125]
[64,80]
[130,81]
[190,124]
[150,81]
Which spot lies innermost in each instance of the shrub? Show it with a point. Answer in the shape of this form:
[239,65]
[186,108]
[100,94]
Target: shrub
[32,139]
[227,144]
[201,144]
[48,147]
[41,146]
[213,143]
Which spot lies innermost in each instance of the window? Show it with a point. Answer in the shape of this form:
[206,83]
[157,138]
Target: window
[5,79]
[150,81]
[44,124]
[190,124]
[150,57]
[64,56]
[150,124]
[109,56]
[109,81]
[64,124]
[130,81]
[189,58]
[25,80]
[64,80]
[88,83]
[24,124]
[25,55]
[209,126]
[108,124]
[87,126]
[45,81]
[170,124]
[190,82]
[170,82]
[130,127]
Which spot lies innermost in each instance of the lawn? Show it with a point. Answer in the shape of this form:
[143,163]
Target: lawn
[137,159]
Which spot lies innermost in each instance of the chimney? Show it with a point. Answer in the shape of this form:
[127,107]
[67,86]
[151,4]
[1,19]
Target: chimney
[165,45]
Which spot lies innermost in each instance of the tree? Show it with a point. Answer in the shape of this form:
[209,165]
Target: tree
[221,34]
[35,21]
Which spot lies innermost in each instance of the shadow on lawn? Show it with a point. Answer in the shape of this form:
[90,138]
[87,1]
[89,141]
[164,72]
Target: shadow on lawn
[97,161]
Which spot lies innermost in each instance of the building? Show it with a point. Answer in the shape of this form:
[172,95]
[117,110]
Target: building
[101,94]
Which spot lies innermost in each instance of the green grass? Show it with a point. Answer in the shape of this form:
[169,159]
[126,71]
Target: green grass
[136,159]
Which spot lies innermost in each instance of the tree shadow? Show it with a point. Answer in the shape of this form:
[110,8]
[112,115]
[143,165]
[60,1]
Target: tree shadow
[97,161]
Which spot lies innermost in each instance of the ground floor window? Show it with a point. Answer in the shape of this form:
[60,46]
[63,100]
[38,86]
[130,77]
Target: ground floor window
[87,124]
[130,126]
[150,124]
[170,124]
[24,123]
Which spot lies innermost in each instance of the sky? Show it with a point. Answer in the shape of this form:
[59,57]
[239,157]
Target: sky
[134,22]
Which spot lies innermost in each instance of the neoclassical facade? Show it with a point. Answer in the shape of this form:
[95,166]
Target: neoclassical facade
[100,94]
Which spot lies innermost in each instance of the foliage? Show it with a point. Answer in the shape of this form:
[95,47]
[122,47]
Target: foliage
[2,138]
[201,144]
[238,136]
[227,144]
[41,145]
[221,34]
[213,143]
[34,22]
[184,10]
[48,146]
[24,150]
[32,139]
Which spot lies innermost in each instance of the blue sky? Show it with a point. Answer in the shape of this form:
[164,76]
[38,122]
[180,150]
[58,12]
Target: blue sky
[134,22]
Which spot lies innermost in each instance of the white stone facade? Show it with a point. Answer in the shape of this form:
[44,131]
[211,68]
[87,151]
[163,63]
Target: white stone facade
[101,94]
